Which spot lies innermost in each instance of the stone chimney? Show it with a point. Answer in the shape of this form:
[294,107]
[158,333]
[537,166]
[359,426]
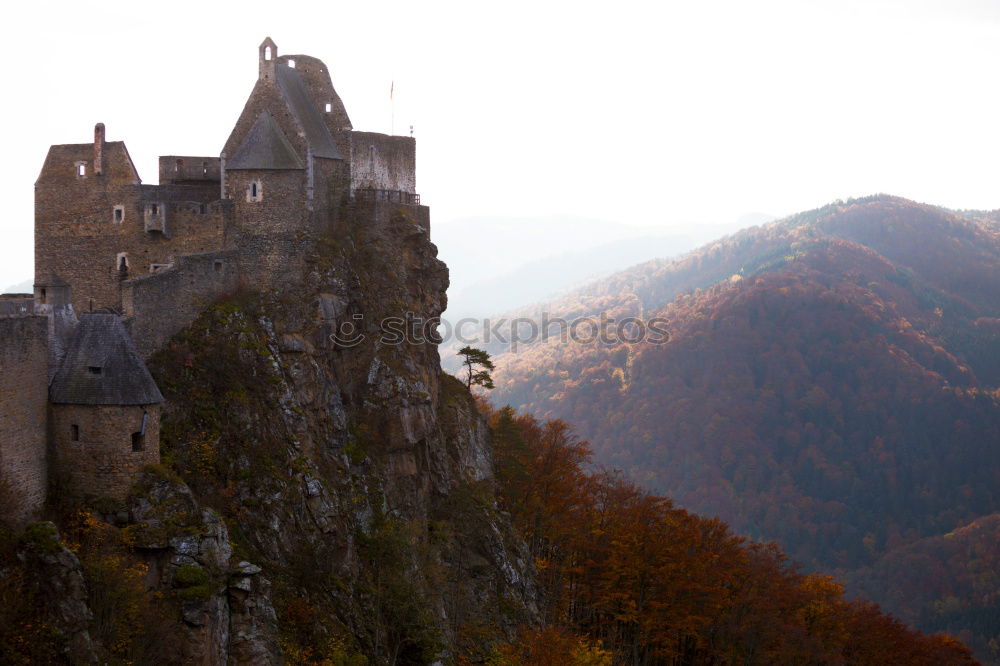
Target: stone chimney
[99,148]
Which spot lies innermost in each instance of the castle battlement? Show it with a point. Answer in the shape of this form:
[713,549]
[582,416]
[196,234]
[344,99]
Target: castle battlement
[121,266]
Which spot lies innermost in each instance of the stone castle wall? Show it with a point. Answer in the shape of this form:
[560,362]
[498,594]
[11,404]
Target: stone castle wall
[85,224]
[383,162]
[96,457]
[24,395]
[161,304]
[190,168]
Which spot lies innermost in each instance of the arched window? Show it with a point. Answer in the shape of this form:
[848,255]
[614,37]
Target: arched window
[255,191]
[267,53]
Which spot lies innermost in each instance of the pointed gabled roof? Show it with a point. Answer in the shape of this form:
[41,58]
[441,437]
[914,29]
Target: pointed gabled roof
[265,147]
[306,111]
[102,367]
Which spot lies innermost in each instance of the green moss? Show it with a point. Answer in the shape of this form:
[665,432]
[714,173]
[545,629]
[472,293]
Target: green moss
[195,593]
[190,575]
[42,537]
[163,472]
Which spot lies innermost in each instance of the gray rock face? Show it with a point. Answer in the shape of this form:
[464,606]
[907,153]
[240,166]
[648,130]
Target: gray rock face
[56,578]
[357,480]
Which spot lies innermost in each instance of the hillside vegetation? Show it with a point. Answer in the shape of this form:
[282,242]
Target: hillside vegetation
[830,382]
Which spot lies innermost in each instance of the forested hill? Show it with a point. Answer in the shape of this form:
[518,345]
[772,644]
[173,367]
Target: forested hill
[830,382]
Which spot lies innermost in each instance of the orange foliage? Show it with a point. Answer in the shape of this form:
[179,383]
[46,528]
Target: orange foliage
[654,584]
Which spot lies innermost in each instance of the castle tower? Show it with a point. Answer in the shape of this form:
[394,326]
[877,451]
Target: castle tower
[105,412]
[282,168]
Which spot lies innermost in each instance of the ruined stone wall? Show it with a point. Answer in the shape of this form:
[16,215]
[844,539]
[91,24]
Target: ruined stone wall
[189,168]
[159,305]
[332,182]
[379,216]
[280,206]
[85,224]
[24,396]
[101,461]
[383,162]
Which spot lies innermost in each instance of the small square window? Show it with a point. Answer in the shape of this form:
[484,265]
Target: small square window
[218,265]
[94,370]
[81,169]
[291,63]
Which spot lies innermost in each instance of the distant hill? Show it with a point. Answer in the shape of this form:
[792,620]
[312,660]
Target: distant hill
[26,287]
[959,590]
[831,381]
[549,276]
[553,254]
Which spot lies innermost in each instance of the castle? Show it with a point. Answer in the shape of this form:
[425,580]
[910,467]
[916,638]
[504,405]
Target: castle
[120,267]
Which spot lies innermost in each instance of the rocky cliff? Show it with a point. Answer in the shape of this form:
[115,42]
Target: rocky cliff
[326,493]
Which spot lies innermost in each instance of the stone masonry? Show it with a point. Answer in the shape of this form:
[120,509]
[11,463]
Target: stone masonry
[121,266]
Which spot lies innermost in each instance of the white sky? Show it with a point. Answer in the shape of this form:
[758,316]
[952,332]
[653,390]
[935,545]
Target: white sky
[666,114]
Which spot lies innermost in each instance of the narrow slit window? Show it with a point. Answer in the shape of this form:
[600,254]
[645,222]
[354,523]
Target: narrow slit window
[218,265]
[43,296]
[119,214]
[178,166]
[154,209]
[204,168]
[74,432]
[81,169]
[267,53]
[329,107]
[139,438]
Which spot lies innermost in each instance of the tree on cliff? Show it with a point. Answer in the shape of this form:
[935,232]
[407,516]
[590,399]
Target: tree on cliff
[478,366]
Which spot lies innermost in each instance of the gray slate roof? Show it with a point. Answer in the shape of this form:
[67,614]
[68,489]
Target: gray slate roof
[306,110]
[101,341]
[265,147]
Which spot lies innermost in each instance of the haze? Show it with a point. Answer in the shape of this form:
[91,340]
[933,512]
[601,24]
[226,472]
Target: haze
[671,118]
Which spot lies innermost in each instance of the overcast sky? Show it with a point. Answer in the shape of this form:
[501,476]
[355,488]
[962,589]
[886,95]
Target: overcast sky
[665,114]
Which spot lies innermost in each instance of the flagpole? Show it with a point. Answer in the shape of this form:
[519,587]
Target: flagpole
[392,108]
